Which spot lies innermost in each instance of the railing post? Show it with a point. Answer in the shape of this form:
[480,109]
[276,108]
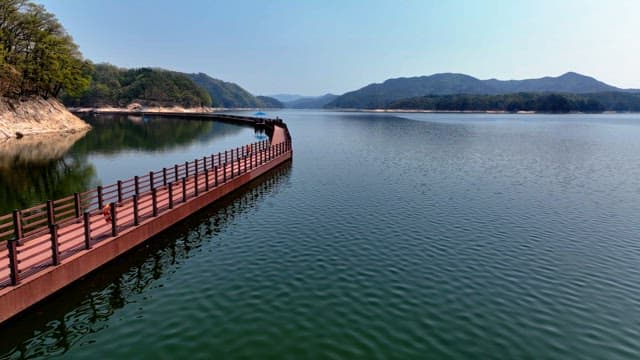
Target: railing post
[12,247]
[119,191]
[206,180]
[135,210]
[184,189]
[171,196]
[154,201]
[175,172]
[225,156]
[164,176]
[245,164]
[215,175]
[50,217]
[87,230]
[76,204]
[136,183]
[17,224]
[224,172]
[55,251]
[196,166]
[186,169]
[100,204]
[114,220]
[151,182]
[14,274]
[213,163]
[233,167]
[195,184]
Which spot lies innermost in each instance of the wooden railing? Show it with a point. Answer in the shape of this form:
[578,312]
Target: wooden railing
[45,234]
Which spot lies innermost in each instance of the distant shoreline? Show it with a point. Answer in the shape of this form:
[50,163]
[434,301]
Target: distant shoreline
[417,111]
[156,109]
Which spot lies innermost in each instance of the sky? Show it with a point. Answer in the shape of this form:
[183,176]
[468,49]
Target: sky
[313,47]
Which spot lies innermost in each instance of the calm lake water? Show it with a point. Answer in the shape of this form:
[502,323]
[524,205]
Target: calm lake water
[408,236]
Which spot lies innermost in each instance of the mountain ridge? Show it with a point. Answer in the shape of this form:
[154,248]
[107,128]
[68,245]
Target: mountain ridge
[311,102]
[231,95]
[380,95]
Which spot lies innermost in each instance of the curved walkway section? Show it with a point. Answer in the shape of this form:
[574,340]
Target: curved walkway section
[51,245]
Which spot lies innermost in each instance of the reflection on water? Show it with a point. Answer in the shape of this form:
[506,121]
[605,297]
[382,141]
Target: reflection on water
[52,327]
[36,169]
[117,133]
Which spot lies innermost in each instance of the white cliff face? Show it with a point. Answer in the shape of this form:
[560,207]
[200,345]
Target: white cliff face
[36,116]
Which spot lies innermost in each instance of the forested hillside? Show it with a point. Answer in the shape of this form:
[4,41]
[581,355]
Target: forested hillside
[230,95]
[113,86]
[269,102]
[539,102]
[37,56]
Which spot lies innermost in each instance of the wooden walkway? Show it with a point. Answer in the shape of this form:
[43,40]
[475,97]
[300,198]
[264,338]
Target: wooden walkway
[130,202]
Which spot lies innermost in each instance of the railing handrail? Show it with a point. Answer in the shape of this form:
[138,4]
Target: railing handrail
[91,199]
[30,224]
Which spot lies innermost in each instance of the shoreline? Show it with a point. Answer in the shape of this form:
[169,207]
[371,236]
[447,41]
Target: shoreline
[158,109]
[418,111]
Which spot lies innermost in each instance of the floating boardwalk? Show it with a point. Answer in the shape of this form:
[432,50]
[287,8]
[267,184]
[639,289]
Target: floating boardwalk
[49,246]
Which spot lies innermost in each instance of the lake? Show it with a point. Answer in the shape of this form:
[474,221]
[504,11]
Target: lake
[389,236]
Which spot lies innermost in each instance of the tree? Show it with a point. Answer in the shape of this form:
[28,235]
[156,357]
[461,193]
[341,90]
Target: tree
[37,56]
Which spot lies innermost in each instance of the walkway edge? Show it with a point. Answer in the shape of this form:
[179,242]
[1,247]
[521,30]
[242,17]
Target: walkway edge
[32,290]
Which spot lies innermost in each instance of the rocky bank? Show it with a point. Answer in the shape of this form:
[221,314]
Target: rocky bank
[36,116]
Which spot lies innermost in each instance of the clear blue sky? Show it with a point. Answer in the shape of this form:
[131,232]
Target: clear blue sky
[313,47]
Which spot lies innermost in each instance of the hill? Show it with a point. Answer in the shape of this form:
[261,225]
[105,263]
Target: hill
[226,94]
[285,98]
[113,86]
[311,102]
[269,102]
[382,95]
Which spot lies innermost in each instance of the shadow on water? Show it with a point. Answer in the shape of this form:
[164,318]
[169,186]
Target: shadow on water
[60,322]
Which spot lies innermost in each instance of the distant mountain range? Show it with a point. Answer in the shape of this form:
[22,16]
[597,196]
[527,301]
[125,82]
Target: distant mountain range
[286,97]
[113,86]
[317,102]
[380,96]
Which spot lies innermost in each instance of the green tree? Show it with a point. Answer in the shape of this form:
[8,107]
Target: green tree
[38,57]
